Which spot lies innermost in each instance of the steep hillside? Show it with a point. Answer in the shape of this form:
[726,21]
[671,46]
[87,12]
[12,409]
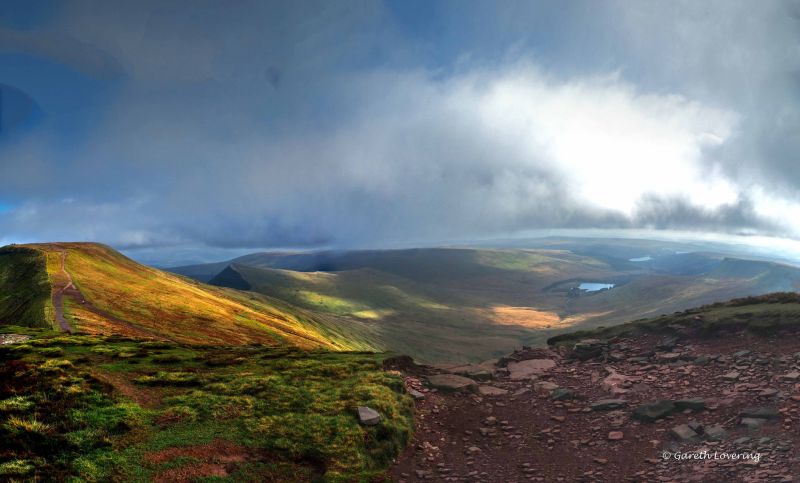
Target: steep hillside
[97,290]
[24,287]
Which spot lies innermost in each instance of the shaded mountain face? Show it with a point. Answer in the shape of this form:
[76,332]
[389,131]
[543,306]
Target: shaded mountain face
[457,304]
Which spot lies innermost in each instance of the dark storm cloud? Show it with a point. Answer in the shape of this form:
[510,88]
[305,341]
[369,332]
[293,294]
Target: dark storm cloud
[364,123]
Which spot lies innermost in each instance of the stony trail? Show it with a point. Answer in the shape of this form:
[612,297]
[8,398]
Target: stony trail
[58,294]
[611,412]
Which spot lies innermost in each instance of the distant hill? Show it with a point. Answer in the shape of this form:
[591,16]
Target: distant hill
[456,304]
[94,289]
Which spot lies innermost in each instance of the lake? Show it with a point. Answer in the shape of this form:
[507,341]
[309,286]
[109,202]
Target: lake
[641,259]
[594,287]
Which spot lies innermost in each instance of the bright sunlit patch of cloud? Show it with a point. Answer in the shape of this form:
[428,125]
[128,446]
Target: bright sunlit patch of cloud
[614,144]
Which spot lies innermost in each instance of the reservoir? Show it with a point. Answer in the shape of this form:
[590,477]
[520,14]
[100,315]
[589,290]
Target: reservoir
[594,287]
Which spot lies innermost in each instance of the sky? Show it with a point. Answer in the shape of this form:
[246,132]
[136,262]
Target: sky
[199,126]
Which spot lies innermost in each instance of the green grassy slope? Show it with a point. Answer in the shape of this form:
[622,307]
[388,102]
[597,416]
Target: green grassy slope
[24,288]
[91,408]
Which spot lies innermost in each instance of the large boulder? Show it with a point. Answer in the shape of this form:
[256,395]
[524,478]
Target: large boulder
[451,382]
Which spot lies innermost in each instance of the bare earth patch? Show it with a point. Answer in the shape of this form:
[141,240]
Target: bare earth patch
[145,397]
[215,459]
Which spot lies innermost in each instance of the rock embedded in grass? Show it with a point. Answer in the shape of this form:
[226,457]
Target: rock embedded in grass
[368,416]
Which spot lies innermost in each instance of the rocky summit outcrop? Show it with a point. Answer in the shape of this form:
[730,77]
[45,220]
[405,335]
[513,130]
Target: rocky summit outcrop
[636,408]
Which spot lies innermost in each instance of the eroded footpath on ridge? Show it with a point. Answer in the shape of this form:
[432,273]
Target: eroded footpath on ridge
[642,408]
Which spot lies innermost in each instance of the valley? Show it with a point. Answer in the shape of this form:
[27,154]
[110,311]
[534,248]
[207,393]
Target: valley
[471,304]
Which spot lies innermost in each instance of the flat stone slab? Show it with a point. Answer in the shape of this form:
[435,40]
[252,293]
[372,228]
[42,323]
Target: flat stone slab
[792,376]
[491,391]
[655,410]
[529,368]
[695,404]
[479,372]
[731,376]
[451,382]
[416,394]
[562,394]
[715,432]
[683,432]
[752,423]
[608,404]
[368,416]
[545,386]
[760,413]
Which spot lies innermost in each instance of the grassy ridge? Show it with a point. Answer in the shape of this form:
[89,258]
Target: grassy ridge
[127,298]
[110,408]
[24,288]
[759,313]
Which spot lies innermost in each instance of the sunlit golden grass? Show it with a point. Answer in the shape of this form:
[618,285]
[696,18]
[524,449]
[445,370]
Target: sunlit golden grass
[128,298]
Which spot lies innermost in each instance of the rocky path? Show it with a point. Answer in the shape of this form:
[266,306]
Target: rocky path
[644,409]
[58,294]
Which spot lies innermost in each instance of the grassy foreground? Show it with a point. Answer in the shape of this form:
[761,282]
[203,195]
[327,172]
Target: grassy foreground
[100,408]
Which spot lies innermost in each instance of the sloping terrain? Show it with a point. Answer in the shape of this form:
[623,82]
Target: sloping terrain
[24,288]
[458,304]
[437,304]
[97,290]
[711,394]
[93,408]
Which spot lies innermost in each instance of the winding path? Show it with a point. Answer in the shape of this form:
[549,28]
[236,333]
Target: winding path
[58,295]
